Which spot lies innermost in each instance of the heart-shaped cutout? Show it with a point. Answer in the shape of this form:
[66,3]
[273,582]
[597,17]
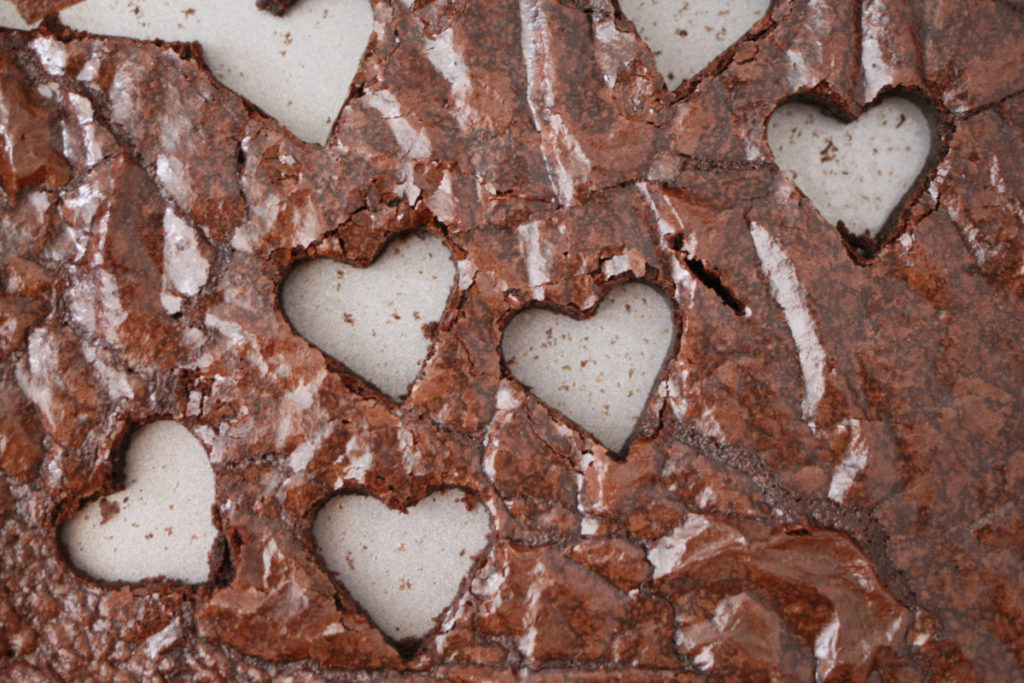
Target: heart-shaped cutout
[404,568]
[275,62]
[598,371]
[161,524]
[687,36]
[858,172]
[10,18]
[374,320]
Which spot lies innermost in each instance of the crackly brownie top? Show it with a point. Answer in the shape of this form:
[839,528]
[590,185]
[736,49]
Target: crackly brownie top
[826,480]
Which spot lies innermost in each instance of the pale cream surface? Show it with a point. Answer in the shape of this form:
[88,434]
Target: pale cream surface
[164,523]
[297,69]
[598,371]
[857,172]
[403,568]
[686,35]
[372,319]
[9,17]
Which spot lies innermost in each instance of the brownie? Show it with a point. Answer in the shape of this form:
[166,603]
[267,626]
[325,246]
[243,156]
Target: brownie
[826,483]
[278,7]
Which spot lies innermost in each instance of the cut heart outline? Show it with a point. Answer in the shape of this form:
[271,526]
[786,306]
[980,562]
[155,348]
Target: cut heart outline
[686,46]
[364,546]
[117,537]
[865,245]
[384,346]
[535,366]
[269,60]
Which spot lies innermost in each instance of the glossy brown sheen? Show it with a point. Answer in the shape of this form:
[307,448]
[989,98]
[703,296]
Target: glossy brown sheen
[713,550]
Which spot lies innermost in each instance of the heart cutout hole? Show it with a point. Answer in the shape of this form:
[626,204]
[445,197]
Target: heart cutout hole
[403,568]
[686,37]
[377,321]
[275,62]
[160,524]
[859,174]
[600,370]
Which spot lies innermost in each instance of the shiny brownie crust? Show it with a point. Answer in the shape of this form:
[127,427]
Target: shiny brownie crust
[827,479]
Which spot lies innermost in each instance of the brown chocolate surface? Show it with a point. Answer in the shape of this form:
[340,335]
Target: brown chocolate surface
[278,7]
[713,550]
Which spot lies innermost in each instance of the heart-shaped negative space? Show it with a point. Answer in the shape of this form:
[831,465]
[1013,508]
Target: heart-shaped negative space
[374,320]
[687,36]
[275,62]
[858,172]
[161,524]
[598,371]
[403,568]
